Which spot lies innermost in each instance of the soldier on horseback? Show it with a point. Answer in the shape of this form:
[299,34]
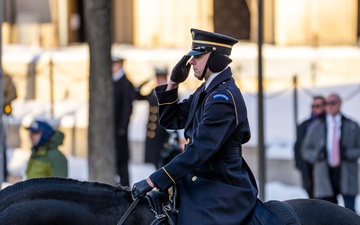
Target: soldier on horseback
[213,181]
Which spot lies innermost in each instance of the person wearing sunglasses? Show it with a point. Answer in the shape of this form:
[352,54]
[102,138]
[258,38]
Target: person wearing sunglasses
[332,146]
[317,112]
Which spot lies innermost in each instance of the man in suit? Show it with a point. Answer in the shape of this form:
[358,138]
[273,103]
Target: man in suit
[332,146]
[305,168]
[123,99]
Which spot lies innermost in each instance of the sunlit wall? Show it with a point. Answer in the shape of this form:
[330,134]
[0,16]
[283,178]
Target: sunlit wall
[167,23]
[315,22]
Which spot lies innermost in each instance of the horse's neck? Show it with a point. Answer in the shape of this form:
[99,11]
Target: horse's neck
[89,203]
[64,190]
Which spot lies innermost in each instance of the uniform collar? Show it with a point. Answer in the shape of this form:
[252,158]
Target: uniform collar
[211,78]
[119,74]
[330,119]
[217,78]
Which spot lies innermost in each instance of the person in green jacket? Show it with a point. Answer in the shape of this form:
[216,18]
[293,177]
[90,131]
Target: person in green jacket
[46,159]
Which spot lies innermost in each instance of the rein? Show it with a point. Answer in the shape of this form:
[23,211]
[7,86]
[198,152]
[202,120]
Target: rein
[128,211]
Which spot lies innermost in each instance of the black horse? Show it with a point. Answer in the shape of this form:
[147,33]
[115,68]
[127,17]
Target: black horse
[60,201]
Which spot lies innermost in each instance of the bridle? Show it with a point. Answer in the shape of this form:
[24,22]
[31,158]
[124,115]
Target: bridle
[128,211]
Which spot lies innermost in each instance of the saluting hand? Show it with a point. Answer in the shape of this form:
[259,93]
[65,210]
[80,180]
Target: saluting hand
[181,70]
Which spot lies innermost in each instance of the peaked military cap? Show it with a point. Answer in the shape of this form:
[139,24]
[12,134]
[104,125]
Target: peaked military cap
[161,71]
[117,59]
[204,41]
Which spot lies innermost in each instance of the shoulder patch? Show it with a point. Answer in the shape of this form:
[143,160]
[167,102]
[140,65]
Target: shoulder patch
[221,96]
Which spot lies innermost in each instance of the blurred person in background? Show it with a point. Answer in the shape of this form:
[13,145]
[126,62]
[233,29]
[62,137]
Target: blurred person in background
[305,168]
[10,95]
[157,144]
[332,146]
[46,159]
[124,96]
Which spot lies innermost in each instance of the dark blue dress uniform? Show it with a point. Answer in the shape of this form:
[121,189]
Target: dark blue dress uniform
[156,136]
[212,182]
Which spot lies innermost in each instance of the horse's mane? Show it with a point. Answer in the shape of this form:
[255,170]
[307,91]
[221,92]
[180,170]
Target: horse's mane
[60,188]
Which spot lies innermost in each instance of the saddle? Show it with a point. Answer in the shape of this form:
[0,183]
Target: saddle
[162,207]
[165,212]
[284,211]
[272,213]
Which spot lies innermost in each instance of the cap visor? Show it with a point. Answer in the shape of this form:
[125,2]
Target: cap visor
[195,52]
[116,59]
